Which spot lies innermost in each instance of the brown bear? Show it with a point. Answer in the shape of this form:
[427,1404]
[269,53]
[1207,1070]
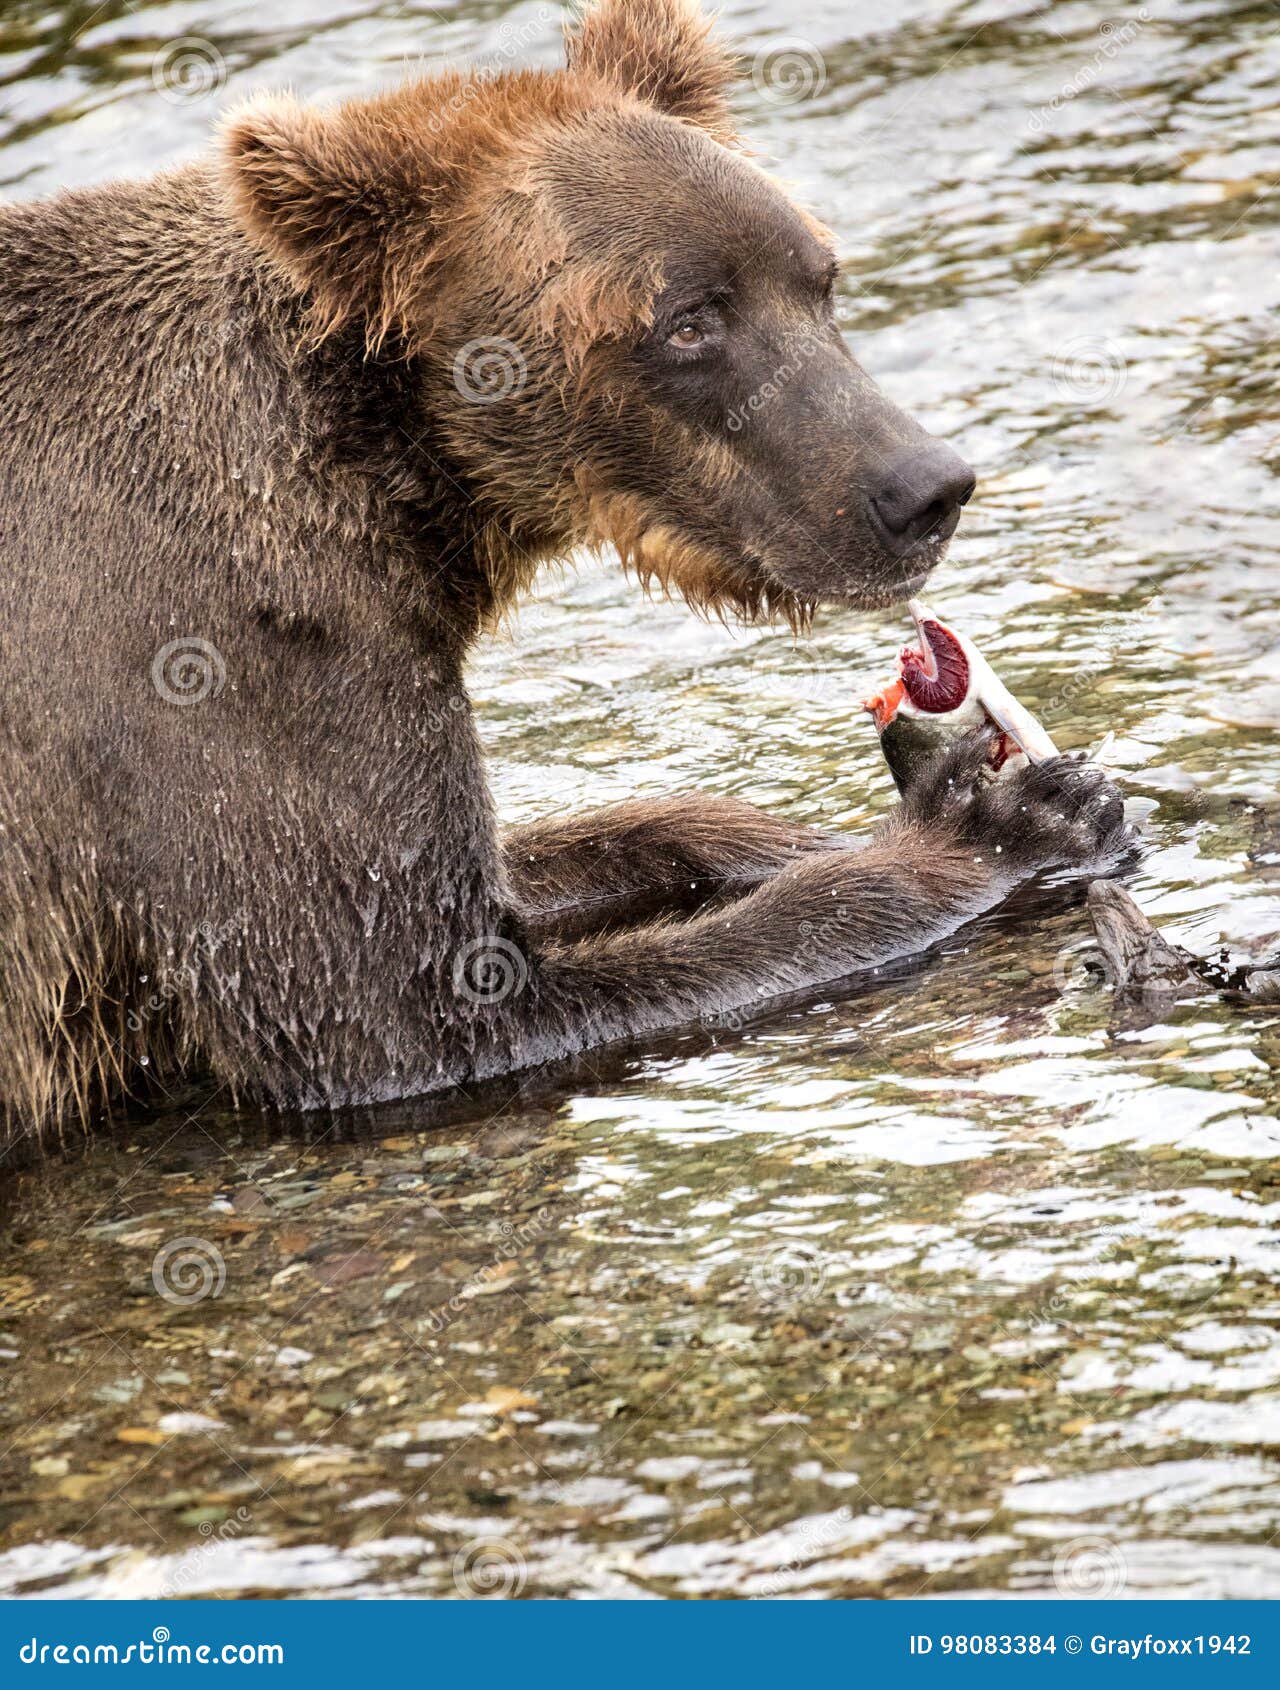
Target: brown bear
[284,431]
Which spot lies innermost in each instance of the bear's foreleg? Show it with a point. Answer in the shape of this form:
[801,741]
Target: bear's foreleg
[821,919]
[957,848]
[630,862]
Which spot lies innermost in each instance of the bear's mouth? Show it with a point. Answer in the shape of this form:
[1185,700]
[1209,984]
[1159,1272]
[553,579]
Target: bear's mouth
[844,565]
[744,586]
[744,582]
[888,595]
[912,571]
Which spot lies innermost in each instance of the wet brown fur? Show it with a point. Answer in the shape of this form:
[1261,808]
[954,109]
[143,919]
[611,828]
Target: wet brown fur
[232,425]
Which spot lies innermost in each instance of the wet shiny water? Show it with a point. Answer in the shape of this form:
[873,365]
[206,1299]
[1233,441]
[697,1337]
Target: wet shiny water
[958,1285]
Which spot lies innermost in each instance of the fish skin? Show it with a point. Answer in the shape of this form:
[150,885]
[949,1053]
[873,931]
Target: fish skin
[914,739]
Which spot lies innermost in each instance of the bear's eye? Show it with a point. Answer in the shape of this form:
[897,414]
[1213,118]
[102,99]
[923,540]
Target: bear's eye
[686,335]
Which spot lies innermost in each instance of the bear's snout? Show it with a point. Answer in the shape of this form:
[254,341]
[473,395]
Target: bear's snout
[920,496]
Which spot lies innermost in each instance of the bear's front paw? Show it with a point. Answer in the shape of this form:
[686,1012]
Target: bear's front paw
[1065,813]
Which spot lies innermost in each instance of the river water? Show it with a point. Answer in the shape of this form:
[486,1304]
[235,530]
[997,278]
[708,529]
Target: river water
[959,1284]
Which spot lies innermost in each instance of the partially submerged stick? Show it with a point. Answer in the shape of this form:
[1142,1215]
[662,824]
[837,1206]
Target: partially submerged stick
[1135,959]
[1139,963]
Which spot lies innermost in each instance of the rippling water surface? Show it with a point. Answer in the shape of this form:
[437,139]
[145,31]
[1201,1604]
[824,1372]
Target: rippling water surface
[957,1285]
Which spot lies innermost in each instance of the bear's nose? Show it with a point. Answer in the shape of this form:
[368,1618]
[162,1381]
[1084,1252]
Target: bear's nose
[920,495]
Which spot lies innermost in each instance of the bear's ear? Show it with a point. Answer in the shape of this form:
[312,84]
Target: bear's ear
[338,200]
[663,52]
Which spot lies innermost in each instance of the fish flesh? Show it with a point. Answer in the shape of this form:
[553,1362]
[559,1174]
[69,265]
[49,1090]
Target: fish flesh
[945,688]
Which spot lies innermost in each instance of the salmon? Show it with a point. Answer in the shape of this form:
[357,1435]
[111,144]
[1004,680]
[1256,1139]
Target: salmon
[944,688]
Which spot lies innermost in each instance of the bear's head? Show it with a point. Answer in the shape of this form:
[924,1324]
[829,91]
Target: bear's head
[621,329]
